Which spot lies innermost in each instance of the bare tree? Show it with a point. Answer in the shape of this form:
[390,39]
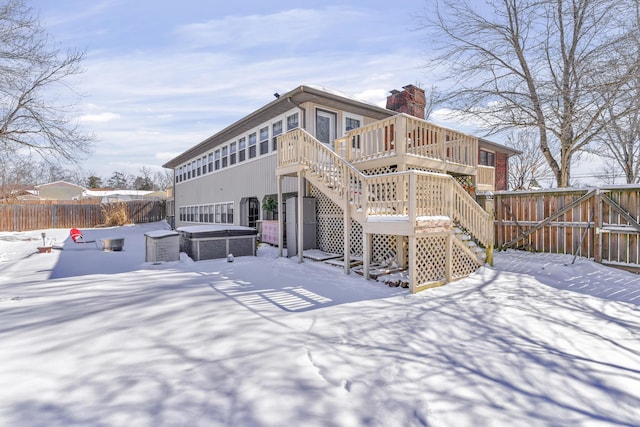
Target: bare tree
[619,143]
[15,176]
[144,181]
[33,76]
[164,179]
[550,65]
[529,168]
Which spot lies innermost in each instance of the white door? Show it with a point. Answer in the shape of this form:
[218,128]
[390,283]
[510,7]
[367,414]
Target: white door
[326,127]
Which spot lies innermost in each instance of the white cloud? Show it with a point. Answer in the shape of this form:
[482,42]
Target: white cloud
[287,28]
[99,118]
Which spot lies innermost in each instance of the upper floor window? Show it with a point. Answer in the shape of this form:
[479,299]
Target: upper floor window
[351,123]
[242,152]
[217,160]
[232,153]
[487,158]
[292,121]
[225,156]
[210,162]
[198,167]
[204,165]
[252,145]
[264,140]
[276,129]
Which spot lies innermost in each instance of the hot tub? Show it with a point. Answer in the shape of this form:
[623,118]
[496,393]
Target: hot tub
[202,242]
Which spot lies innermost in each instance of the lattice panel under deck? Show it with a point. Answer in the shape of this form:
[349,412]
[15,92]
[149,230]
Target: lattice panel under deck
[430,259]
[462,264]
[383,249]
[329,227]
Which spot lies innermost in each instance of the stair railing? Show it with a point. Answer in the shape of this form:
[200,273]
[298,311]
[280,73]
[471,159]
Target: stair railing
[410,194]
[470,215]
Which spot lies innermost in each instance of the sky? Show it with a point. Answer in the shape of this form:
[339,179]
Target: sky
[93,338]
[161,76]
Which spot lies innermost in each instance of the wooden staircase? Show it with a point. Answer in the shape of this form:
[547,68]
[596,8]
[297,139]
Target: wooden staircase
[418,205]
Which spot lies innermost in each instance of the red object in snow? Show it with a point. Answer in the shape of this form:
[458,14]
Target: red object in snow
[76,235]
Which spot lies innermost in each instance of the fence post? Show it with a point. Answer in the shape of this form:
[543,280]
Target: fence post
[597,222]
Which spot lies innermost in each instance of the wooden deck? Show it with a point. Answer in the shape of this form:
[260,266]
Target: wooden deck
[403,203]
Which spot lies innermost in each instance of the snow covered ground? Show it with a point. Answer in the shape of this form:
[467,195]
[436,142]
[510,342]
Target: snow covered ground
[93,338]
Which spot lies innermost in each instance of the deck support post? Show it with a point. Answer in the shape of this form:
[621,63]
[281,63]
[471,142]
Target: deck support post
[413,285]
[280,218]
[366,253]
[347,238]
[300,217]
[400,251]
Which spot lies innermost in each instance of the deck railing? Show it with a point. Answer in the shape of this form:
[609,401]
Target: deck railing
[405,134]
[486,177]
[409,194]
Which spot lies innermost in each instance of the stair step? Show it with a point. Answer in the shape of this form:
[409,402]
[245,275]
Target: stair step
[377,270]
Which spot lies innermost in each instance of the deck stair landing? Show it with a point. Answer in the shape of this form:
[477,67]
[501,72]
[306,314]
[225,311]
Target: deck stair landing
[407,204]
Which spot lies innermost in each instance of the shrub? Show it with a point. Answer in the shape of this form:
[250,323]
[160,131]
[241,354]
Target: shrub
[115,214]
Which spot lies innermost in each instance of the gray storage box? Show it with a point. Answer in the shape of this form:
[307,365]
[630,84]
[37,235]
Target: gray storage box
[161,245]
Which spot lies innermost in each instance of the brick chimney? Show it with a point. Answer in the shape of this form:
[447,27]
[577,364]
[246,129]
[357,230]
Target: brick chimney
[411,101]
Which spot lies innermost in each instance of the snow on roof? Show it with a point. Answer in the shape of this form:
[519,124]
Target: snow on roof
[59,183]
[341,94]
[105,193]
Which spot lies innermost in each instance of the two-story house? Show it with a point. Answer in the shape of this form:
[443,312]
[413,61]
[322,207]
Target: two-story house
[389,187]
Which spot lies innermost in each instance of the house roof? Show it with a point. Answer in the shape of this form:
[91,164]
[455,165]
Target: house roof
[498,147]
[294,98]
[285,102]
[59,184]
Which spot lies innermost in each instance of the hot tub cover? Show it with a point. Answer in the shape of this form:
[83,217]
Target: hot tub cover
[213,230]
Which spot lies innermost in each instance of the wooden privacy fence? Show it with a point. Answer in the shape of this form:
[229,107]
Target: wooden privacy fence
[37,216]
[599,223]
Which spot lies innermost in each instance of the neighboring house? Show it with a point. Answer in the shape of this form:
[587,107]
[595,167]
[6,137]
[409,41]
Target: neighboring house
[59,190]
[112,196]
[388,186]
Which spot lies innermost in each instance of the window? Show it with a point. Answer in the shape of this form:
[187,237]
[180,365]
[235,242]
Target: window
[217,214]
[189,171]
[223,216]
[264,140]
[242,153]
[487,158]
[276,130]
[178,173]
[292,121]
[351,124]
[229,213]
[252,145]
[232,153]
[217,160]
[198,166]
[204,165]
[193,169]
[225,156]
[210,162]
